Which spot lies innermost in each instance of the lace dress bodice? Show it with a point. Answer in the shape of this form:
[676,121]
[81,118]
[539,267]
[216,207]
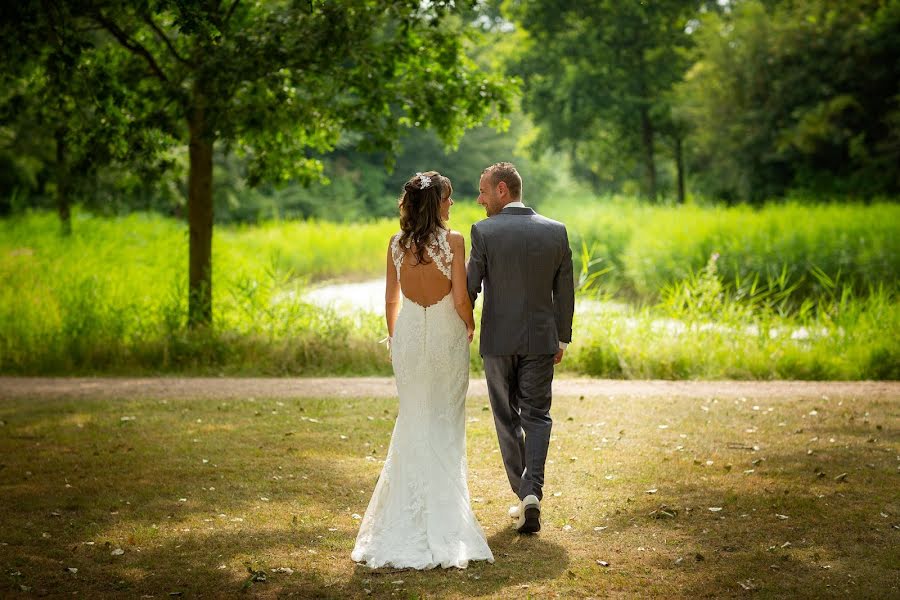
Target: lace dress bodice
[437,248]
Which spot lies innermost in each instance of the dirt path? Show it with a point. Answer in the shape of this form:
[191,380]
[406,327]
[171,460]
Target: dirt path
[381,387]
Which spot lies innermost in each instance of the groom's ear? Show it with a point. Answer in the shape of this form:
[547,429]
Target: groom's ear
[501,187]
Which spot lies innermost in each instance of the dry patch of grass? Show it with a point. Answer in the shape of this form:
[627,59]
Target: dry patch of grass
[678,497]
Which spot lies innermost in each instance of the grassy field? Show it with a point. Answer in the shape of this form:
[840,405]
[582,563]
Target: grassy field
[680,497]
[806,247]
[796,292]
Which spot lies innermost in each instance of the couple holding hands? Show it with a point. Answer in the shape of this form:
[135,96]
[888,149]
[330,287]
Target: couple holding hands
[420,515]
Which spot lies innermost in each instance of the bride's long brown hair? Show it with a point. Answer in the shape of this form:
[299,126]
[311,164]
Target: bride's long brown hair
[420,211]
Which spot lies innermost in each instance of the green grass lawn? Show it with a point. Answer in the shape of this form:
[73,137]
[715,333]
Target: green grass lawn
[681,497]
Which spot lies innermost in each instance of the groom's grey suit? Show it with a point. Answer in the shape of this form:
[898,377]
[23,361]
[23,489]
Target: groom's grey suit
[524,262]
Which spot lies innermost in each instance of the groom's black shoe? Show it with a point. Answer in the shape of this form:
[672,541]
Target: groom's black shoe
[529,515]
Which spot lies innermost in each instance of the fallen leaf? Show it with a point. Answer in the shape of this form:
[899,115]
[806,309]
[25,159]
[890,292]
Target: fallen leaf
[117,552]
[715,508]
[739,446]
[841,477]
[664,512]
[782,517]
[602,563]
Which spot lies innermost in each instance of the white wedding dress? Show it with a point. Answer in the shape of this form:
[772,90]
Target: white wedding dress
[419,516]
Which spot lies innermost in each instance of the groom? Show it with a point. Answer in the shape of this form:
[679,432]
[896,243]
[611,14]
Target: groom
[524,262]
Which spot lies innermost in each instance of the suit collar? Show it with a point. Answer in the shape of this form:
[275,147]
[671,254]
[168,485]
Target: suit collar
[516,210]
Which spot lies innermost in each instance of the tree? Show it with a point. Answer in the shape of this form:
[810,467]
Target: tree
[56,100]
[796,95]
[597,73]
[279,81]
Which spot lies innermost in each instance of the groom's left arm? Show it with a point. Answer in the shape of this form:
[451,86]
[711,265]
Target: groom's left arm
[564,294]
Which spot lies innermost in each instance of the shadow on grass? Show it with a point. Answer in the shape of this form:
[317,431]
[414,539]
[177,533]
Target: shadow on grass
[197,495]
[799,525]
[279,491]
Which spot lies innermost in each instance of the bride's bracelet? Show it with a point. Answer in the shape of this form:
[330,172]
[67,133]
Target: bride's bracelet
[387,342]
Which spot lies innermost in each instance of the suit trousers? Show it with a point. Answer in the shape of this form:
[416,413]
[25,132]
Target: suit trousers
[519,387]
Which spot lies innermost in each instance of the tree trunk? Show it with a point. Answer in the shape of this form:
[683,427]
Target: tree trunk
[649,159]
[200,217]
[679,167]
[62,183]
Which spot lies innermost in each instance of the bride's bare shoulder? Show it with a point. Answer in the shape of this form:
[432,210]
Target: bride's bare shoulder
[455,238]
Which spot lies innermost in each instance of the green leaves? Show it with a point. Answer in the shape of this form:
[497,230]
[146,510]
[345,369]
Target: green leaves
[282,82]
[796,96]
[594,73]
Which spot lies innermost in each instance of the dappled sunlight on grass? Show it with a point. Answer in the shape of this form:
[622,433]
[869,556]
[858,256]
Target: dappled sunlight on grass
[701,496]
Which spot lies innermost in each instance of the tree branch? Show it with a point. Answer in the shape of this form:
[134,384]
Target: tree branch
[231,11]
[133,46]
[54,33]
[161,34]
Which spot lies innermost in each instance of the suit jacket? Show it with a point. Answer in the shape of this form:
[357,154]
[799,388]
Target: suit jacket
[524,262]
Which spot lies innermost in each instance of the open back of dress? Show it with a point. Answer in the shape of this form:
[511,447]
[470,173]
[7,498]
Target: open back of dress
[425,283]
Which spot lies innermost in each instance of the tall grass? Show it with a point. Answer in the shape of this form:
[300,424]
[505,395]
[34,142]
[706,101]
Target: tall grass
[811,247]
[707,328]
[112,297]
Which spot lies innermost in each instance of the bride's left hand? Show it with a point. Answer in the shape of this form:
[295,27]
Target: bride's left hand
[470,333]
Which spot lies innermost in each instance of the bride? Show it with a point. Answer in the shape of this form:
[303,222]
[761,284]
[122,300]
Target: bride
[419,516]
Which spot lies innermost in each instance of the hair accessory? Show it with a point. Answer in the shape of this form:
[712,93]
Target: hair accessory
[424,181]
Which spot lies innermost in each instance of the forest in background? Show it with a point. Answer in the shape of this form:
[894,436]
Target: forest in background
[731,102]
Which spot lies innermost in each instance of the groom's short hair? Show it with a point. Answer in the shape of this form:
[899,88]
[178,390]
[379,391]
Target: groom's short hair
[506,172]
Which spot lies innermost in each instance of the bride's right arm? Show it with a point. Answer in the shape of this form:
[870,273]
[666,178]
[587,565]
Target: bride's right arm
[391,293]
[458,280]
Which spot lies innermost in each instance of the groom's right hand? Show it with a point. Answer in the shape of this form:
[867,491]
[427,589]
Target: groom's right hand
[558,358]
